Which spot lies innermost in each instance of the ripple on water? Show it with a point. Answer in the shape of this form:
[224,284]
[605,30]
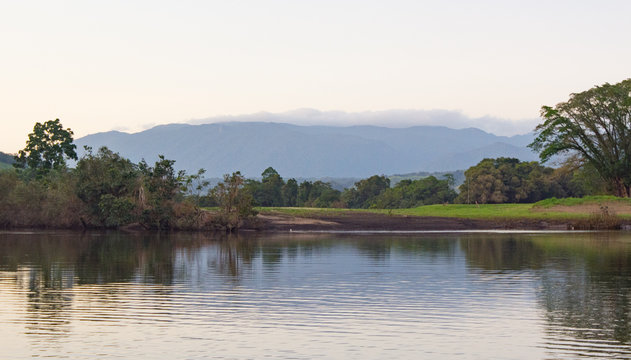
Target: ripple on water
[368,298]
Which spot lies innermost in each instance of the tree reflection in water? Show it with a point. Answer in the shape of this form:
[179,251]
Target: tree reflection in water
[586,288]
[582,282]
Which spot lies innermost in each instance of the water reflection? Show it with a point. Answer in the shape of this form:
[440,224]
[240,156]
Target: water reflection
[571,293]
[509,252]
[584,286]
[585,292]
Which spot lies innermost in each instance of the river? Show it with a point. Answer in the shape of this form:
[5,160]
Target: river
[315,296]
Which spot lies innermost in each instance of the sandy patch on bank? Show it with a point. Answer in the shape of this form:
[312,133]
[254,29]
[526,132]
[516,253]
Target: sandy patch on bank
[293,220]
[365,221]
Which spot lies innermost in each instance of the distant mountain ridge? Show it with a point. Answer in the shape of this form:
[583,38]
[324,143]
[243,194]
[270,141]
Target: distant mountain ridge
[6,161]
[312,151]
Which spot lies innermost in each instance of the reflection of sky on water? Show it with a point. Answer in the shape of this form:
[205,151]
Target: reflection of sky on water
[314,296]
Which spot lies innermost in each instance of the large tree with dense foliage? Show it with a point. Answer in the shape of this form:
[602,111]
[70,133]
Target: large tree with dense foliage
[268,191]
[47,147]
[235,201]
[109,186]
[595,126]
[508,180]
[160,186]
[365,191]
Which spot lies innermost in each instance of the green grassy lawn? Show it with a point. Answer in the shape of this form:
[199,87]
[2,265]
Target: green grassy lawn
[4,166]
[452,210]
[541,210]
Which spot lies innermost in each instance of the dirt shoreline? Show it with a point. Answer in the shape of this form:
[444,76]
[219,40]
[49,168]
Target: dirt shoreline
[383,222]
[272,221]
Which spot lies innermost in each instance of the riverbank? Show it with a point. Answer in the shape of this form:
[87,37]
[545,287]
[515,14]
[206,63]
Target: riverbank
[368,221]
[595,213]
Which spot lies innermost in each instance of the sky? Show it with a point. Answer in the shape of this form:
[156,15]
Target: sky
[129,65]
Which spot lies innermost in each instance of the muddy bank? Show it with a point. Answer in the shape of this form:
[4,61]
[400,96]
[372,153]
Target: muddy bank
[382,222]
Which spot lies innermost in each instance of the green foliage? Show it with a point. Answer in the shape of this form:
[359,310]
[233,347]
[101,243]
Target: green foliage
[585,181]
[235,202]
[365,192]
[116,211]
[317,194]
[108,184]
[49,201]
[105,190]
[269,191]
[194,184]
[290,192]
[47,147]
[162,185]
[412,193]
[272,191]
[508,180]
[594,126]
[458,177]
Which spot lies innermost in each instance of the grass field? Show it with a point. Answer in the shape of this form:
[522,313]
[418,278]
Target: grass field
[558,209]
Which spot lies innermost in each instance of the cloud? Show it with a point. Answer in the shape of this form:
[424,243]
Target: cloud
[388,118]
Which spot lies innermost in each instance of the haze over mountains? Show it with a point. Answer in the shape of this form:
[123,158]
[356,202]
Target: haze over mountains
[312,151]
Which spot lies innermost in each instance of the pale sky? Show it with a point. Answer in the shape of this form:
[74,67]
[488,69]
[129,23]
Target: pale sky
[103,65]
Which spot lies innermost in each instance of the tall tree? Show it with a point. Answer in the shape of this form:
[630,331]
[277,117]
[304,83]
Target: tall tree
[594,125]
[508,180]
[290,192]
[107,184]
[268,192]
[410,193]
[163,184]
[47,147]
[234,201]
[365,191]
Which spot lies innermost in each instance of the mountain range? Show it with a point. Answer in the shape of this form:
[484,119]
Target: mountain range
[311,151]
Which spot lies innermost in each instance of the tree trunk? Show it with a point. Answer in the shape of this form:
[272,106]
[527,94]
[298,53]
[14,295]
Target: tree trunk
[622,190]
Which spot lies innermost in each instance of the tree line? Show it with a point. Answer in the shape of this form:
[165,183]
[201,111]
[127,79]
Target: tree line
[592,130]
[509,180]
[106,190]
[491,181]
[373,192]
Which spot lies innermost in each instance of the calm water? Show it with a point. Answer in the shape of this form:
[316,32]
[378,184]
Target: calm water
[318,296]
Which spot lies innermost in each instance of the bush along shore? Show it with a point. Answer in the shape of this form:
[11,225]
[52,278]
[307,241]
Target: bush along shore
[107,191]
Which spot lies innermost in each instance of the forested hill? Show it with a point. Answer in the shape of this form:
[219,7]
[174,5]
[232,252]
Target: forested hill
[312,151]
[5,160]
